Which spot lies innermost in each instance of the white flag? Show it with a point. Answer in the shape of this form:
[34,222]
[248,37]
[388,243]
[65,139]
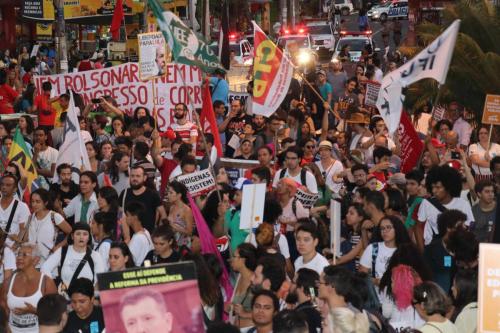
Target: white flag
[432,62]
[72,150]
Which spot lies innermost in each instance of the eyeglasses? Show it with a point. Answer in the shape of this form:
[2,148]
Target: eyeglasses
[309,147]
[291,158]
[386,228]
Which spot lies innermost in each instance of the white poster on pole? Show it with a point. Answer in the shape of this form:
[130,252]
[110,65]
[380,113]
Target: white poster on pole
[252,206]
[153,55]
[335,228]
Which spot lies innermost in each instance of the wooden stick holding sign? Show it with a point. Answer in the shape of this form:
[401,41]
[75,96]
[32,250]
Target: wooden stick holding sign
[200,127]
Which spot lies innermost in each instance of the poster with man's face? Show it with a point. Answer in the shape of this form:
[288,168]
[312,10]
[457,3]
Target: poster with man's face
[153,55]
[158,299]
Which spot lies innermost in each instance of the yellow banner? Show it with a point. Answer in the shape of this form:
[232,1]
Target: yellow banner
[82,8]
[43,32]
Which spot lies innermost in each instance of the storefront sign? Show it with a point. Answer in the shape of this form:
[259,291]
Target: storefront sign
[40,10]
[123,84]
[83,8]
[44,32]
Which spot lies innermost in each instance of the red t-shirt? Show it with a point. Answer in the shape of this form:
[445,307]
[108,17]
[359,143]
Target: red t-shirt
[46,113]
[27,78]
[7,96]
[85,65]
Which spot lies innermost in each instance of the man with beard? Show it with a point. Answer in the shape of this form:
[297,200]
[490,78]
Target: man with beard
[182,127]
[234,123]
[140,193]
[67,189]
[347,100]
[304,289]
[268,275]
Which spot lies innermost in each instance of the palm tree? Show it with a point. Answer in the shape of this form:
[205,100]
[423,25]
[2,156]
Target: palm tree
[475,65]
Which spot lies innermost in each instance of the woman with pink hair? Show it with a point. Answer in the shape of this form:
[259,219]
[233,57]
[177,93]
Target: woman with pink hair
[397,301]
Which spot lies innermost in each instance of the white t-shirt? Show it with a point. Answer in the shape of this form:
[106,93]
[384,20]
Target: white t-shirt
[311,184]
[399,319]
[21,216]
[318,263]
[74,208]
[43,233]
[477,149]
[45,160]
[139,246]
[103,250]
[70,264]
[330,171]
[8,262]
[428,213]
[383,256]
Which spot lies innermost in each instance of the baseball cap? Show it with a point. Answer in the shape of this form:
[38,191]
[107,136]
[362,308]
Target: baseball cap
[321,72]
[169,134]
[242,182]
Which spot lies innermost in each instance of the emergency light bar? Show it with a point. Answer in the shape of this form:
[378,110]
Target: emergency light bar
[356,33]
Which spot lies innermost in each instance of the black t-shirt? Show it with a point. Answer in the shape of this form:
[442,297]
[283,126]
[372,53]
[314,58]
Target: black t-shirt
[61,195]
[92,324]
[313,316]
[155,259]
[150,199]
[345,101]
[441,263]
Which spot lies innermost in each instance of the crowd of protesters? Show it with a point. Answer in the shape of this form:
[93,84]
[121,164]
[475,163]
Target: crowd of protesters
[409,242]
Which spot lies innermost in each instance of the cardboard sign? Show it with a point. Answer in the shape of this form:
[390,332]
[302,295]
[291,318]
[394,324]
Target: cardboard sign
[438,112]
[198,182]
[306,199]
[252,206]
[489,288]
[153,55]
[491,111]
[123,84]
[372,89]
[411,146]
[166,294]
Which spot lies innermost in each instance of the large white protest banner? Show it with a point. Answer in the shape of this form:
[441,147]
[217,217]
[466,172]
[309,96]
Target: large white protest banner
[198,182]
[432,62]
[153,55]
[123,84]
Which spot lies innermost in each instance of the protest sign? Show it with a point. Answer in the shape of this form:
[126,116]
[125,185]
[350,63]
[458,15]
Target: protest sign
[242,96]
[491,111]
[166,294]
[122,83]
[372,90]
[252,206]
[411,146]
[489,288]
[438,112]
[236,169]
[153,55]
[306,199]
[198,182]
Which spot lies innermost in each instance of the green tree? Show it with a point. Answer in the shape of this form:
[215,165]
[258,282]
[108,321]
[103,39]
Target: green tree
[475,67]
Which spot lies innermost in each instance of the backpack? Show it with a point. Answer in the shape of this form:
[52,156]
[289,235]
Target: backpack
[374,257]
[439,206]
[105,240]
[303,173]
[276,242]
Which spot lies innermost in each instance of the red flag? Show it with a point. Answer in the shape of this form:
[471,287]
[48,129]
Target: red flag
[107,180]
[207,118]
[411,145]
[118,17]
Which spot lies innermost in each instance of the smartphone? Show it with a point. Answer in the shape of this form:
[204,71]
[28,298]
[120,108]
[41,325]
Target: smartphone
[455,155]
[96,100]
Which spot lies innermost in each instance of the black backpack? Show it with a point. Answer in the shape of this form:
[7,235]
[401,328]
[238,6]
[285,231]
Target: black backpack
[303,173]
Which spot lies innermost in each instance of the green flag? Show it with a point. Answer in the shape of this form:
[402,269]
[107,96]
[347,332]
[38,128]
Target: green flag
[187,47]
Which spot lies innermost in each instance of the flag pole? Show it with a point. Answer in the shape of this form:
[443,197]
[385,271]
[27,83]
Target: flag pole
[155,114]
[198,123]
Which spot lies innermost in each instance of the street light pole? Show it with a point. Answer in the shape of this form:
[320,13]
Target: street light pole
[62,54]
